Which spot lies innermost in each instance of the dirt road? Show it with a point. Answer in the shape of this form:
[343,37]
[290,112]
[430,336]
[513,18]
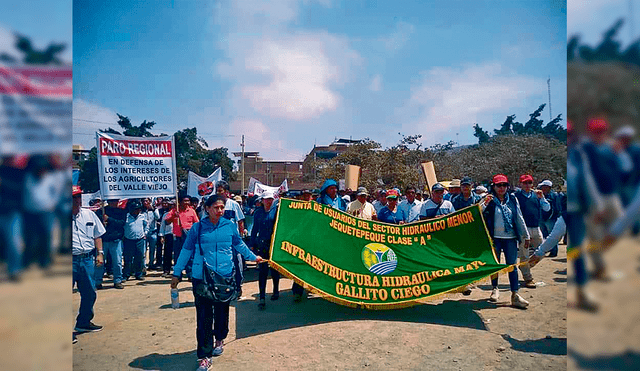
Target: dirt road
[142,332]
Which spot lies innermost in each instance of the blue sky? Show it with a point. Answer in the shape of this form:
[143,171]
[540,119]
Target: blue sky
[289,74]
[44,21]
[590,19]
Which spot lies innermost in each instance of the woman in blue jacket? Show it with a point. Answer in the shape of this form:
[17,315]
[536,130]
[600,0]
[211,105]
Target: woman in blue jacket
[506,226]
[219,238]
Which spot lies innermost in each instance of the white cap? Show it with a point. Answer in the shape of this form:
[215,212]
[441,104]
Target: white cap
[267,194]
[625,131]
[346,198]
[481,188]
[546,182]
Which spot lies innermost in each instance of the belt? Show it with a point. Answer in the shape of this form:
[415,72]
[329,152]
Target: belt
[84,255]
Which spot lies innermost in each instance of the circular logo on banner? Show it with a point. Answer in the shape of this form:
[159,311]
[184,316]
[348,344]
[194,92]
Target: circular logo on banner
[205,188]
[379,259]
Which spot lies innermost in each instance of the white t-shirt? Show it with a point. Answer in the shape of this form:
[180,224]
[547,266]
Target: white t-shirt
[86,226]
[366,211]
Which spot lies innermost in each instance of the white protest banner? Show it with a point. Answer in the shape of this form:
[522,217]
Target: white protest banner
[198,186]
[88,197]
[35,109]
[261,188]
[252,185]
[134,167]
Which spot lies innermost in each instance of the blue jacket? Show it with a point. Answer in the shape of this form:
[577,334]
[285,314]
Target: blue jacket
[326,200]
[218,242]
[263,223]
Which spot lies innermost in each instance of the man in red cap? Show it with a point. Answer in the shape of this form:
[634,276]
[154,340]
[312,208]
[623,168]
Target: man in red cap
[532,203]
[86,246]
[603,182]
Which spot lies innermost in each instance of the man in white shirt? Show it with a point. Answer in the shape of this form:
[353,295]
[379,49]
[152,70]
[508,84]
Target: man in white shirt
[86,247]
[411,206]
[360,208]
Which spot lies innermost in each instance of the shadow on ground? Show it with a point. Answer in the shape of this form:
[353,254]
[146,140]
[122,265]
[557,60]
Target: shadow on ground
[285,314]
[166,362]
[548,345]
[623,361]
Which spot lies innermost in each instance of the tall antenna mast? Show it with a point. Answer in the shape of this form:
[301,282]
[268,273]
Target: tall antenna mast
[549,90]
[631,21]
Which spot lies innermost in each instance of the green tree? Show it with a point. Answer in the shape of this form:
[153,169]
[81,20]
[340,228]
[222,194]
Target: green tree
[34,56]
[131,130]
[191,155]
[88,178]
[482,135]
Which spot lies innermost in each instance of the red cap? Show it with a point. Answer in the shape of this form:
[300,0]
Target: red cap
[526,177]
[392,193]
[76,190]
[597,125]
[569,126]
[500,178]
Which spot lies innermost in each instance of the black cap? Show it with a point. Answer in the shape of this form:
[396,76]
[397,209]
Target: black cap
[466,180]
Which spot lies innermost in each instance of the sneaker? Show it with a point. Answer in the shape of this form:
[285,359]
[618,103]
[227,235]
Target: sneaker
[529,284]
[140,278]
[495,294]
[518,302]
[467,291]
[262,304]
[91,327]
[99,287]
[587,302]
[218,349]
[118,285]
[204,364]
[75,339]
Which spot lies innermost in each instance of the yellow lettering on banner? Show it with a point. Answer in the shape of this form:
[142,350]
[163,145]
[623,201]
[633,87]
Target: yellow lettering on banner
[386,281]
[307,258]
[375,282]
[459,269]
[422,241]
[470,267]
[447,272]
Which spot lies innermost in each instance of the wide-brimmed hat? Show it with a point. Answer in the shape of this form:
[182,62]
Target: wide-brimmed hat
[454,183]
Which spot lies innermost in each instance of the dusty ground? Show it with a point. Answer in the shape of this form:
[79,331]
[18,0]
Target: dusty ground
[142,332]
[35,324]
[609,339]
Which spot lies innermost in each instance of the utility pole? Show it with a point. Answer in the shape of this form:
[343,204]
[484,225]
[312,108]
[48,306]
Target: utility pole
[549,90]
[242,163]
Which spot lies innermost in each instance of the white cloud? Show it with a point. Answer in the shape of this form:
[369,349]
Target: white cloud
[376,83]
[258,137]
[7,43]
[277,72]
[399,37]
[450,98]
[301,71]
[88,118]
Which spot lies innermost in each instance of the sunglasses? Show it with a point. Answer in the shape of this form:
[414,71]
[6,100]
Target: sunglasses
[527,182]
[502,185]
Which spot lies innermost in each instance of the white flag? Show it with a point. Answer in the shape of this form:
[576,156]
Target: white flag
[198,186]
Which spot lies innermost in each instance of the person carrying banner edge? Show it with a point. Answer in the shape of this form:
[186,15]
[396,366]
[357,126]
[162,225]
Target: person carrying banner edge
[506,227]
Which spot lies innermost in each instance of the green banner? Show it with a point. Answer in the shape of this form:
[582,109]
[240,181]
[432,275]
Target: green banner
[374,265]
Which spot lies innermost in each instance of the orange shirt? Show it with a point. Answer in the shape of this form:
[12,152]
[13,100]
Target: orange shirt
[187,218]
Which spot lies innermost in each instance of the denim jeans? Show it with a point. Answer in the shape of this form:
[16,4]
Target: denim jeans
[11,233]
[510,249]
[152,238]
[546,228]
[177,247]
[133,251]
[83,277]
[38,245]
[112,251]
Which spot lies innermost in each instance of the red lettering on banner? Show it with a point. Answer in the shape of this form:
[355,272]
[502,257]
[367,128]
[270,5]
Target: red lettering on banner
[134,148]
